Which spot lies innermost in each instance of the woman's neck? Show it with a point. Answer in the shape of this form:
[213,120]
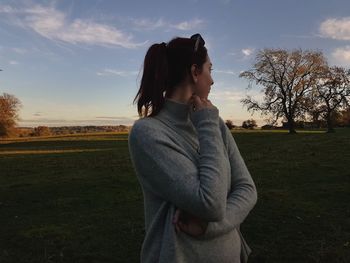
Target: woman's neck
[181,94]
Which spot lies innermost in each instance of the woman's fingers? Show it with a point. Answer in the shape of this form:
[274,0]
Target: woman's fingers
[189,224]
[200,103]
[176,220]
[176,216]
[177,228]
[196,101]
[194,226]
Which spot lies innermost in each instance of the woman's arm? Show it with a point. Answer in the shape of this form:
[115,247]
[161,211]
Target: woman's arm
[243,195]
[163,167]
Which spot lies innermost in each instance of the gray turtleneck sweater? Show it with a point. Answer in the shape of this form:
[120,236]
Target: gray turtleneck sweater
[189,160]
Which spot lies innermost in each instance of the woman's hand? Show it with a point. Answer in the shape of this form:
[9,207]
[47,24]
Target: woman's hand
[189,224]
[200,103]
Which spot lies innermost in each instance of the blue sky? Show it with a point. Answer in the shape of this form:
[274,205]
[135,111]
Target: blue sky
[80,62]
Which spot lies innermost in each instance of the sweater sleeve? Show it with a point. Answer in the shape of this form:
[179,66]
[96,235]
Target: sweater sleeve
[243,195]
[164,168]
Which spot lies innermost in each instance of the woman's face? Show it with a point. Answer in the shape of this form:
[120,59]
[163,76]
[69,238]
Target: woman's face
[204,80]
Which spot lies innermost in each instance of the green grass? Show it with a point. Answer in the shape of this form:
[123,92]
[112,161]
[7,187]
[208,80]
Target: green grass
[77,199]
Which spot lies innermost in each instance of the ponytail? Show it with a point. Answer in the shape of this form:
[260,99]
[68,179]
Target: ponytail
[153,82]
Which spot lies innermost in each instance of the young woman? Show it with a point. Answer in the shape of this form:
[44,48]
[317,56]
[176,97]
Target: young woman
[197,189]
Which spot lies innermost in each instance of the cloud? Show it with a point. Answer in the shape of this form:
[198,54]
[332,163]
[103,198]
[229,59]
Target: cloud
[19,50]
[160,23]
[13,62]
[113,72]
[148,24]
[188,25]
[7,9]
[341,56]
[114,118]
[247,51]
[54,25]
[227,95]
[37,114]
[225,92]
[300,36]
[229,72]
[336,28]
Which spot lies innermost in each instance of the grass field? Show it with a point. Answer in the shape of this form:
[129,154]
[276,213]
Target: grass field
[77,199]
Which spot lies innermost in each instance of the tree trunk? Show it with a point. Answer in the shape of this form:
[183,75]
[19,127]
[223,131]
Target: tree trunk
[330,128]
[291,126]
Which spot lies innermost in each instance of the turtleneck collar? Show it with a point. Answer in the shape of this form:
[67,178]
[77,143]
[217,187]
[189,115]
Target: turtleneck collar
[175,111]
[177,115]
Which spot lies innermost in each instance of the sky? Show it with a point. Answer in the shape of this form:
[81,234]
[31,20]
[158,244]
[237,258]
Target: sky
[80,62]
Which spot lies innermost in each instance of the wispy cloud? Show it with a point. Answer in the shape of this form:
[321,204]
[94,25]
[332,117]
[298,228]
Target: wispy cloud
[118,118]
[161,23]
[247,51]
[336,28]
[13,62]
[7,9]
[114,72]
[148,24]
[225,92]
[189,25]
[300,36]
[19,50]
[53,24]
[229,72]
[341,56]
[227,95]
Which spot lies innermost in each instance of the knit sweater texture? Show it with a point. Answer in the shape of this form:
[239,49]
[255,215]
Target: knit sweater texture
[189,160]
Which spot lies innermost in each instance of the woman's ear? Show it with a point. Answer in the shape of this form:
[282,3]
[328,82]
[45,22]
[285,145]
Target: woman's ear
[194,73]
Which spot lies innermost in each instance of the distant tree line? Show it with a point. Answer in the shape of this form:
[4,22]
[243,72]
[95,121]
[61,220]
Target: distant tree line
[66,130]
[299,85]
[247,124]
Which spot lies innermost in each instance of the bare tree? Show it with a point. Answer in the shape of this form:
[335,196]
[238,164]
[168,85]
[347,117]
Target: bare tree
[249,124]
[287,77]
[229,124]
[9,108]
[333,93]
